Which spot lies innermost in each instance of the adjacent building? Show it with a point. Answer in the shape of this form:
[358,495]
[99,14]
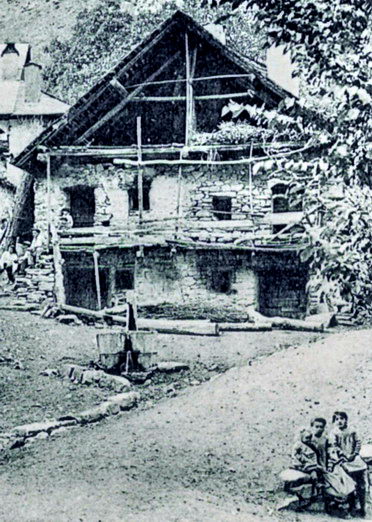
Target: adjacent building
[25,111]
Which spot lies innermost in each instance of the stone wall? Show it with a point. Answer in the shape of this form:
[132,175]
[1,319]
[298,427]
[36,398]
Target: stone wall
[37,284]
[187,278]
[199,185]
[181,278]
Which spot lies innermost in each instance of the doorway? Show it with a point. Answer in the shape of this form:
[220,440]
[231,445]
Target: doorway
[82,206]
[282,293]
[80,286]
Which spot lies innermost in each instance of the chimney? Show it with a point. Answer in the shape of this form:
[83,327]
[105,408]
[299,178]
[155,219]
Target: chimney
[280,69]
[9,62]
[218,31]
[33,80]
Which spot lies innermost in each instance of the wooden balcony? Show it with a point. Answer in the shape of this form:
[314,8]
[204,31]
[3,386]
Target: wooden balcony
[236,234]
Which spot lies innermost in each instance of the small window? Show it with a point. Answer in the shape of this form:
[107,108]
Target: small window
[278,228]
[222,207]
[133,196]
[222,281]
[280,204]
[124,279]
[286,198]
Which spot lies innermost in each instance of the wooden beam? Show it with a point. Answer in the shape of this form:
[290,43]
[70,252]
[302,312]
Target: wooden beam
[119,87]
[250,179]
[98,284]
[140,173]
[179,194]
[117,152]
[196,98]
[113,112]
[188,93]
[49,205]
[91,96]
[200,79]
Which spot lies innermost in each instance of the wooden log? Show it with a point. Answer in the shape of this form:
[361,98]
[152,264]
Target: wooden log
[49,204]
[244,327]
[23,190]
[285,323]
[179,327]
[205,97]
[327,319]
[93,313]
[139,170]
[97,280]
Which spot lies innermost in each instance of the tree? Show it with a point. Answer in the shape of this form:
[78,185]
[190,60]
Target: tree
[330,45]
[105,33]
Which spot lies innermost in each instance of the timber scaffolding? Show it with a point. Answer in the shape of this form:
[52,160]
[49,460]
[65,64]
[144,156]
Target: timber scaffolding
[83,123]
[177,231]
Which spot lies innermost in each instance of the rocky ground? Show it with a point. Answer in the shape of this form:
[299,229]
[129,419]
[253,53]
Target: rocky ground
[198,448]
[29,345]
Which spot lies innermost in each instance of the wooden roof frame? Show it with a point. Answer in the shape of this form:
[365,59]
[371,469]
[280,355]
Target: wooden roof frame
[69,122]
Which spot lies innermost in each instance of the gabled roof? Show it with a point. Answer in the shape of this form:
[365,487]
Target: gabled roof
[12,102]
[12,99]
[70,127]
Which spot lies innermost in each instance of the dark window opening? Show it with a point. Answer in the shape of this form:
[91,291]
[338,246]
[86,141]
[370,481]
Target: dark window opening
[279,189]
[82,206]
[124,279]
[287,198]
[280,204]
[222,281]
[133,196]
[222,207]
[278,228]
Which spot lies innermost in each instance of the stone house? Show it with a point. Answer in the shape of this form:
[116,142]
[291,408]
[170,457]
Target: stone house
[157,206]
[25,111]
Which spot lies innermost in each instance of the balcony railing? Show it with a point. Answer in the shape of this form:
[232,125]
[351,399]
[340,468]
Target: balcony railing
[235,233]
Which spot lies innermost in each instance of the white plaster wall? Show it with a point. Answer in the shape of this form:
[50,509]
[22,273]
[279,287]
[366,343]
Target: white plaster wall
[23,131]
[118,203]
[163,197]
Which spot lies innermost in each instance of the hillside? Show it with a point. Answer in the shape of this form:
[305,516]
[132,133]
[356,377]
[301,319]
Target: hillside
[78,41]
[39,21]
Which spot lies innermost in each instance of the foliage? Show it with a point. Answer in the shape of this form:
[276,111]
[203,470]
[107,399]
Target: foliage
[330,44]
[231,133]
[105,33]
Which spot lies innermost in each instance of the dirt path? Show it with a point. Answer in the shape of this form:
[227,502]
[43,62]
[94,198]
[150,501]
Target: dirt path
[37,344]
[212,453]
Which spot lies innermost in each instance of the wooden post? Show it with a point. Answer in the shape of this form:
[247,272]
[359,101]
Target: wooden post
[98,284]
[250,178]
[49,209]
[179,193]
[140,173]
[188,93]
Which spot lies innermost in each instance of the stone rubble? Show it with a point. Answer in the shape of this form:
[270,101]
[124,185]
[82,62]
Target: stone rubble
[20,435]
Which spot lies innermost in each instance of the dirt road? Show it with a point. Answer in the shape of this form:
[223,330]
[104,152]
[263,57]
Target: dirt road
[211,453]
[37,344]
